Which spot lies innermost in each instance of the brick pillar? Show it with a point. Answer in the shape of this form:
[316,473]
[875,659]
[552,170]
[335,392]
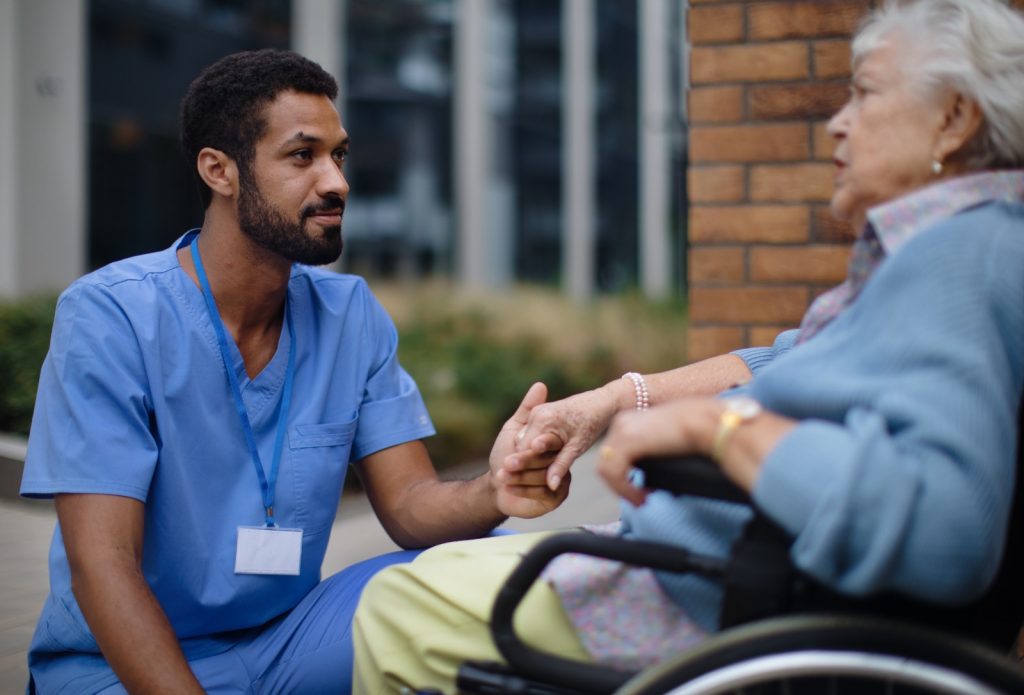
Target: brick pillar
[765,78]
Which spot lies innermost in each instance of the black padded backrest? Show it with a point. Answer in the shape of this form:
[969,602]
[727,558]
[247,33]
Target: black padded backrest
[998,615]
[761,582]
[1000,612]
[754,592]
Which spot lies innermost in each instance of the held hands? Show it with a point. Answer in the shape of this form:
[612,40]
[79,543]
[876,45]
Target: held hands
[556,434]
[526,492]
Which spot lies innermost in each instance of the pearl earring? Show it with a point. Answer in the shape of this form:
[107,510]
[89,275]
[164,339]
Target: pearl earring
[936,167]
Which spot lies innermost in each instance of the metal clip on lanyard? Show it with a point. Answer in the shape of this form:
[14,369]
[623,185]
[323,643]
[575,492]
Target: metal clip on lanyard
[268,483]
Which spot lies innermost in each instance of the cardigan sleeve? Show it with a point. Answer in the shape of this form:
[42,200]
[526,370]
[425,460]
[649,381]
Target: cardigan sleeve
[900,473]
[757,358]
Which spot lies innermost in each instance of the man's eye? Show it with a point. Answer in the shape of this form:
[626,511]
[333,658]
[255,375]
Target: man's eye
[304,155]
[340,155]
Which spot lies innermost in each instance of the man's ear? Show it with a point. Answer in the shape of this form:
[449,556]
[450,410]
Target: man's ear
[218,171]
[963,119]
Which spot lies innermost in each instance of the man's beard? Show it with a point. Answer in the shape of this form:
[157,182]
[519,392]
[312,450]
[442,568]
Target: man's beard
[265,225]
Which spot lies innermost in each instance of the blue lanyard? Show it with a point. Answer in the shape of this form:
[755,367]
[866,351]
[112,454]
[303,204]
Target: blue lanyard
[267,483]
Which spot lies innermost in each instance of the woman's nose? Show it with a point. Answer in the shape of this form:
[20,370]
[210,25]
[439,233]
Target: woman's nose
[836,126]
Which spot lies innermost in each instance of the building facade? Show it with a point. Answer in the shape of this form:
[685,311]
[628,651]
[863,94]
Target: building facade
[42,145]
[595,145]
[495,141]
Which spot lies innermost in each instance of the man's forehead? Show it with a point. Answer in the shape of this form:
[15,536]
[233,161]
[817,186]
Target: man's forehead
[303,118]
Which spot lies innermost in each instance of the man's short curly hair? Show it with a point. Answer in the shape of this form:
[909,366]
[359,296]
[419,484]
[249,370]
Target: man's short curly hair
[224,106]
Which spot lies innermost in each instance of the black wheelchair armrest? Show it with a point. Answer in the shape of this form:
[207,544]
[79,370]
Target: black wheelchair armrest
[760,578]
[689,475]
[699,476]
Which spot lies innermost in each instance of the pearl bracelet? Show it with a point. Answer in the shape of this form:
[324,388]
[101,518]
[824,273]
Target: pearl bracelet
[642,395]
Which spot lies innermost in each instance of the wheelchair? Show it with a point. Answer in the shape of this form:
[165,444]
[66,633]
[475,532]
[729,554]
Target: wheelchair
[781,632]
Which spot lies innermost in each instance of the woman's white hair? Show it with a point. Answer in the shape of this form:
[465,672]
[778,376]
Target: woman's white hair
[972,47]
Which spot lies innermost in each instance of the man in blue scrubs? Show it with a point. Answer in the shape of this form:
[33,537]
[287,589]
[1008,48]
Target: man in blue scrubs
[199,406]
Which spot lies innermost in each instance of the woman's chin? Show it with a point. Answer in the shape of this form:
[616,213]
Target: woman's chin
[851,216]
[841,210]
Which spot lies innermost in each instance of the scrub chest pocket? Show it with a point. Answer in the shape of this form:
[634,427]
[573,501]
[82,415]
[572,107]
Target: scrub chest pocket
[319,458]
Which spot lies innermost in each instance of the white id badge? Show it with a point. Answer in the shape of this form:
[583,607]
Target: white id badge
[268,550]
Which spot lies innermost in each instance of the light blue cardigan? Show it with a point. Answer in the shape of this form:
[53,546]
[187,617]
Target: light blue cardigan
[900,474]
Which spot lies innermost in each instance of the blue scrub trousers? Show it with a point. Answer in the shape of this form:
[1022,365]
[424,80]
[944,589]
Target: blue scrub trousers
[308,650]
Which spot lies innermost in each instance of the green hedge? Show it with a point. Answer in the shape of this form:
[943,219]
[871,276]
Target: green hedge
[24,338]
[473,379]
[473,356]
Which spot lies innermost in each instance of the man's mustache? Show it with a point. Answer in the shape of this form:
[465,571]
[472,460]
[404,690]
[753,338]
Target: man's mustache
[325,205]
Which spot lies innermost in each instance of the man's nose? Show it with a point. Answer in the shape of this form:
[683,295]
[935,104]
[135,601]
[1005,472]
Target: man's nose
[332,181]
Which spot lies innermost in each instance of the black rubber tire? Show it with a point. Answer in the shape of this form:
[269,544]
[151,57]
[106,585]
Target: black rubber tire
[832,633]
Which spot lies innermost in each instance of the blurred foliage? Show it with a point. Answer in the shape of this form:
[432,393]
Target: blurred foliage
[24,338]
[473,355]
[473,379]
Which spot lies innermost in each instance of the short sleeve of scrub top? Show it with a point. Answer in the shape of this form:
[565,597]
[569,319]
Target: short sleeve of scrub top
[91,429]
[392,409]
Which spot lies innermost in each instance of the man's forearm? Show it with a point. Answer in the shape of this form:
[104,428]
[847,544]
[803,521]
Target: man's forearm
[442,511]
[417,509]
[132,630]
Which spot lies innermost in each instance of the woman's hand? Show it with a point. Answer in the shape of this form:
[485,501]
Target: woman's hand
[557,433]
[686,426]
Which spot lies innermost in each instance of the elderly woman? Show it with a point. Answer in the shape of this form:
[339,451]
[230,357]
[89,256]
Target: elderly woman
[880,435]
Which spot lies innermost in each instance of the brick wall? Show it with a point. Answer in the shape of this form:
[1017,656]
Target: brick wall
[765,78]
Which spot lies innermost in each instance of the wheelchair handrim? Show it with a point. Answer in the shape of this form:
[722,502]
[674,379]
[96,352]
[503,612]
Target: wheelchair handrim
[834,663]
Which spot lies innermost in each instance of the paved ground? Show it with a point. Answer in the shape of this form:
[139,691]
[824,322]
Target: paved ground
[26,528]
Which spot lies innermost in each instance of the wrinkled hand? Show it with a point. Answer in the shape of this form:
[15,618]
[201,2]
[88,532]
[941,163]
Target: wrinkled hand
[557,433]
[684,426]
[525,494]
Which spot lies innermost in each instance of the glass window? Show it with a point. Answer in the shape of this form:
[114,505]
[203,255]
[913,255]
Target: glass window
[142,56]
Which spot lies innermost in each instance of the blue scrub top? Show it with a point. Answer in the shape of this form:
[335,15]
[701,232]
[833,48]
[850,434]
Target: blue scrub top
[134,400]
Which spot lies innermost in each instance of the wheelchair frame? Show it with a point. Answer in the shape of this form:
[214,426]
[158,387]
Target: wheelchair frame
[952,650]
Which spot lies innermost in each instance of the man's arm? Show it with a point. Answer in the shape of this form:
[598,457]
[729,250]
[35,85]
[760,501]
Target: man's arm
[103,538]
[417,509]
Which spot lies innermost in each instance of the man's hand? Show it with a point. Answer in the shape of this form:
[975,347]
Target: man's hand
[524,490]
[417,509]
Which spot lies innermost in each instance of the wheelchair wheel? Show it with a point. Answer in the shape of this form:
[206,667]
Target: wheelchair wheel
[832,654]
